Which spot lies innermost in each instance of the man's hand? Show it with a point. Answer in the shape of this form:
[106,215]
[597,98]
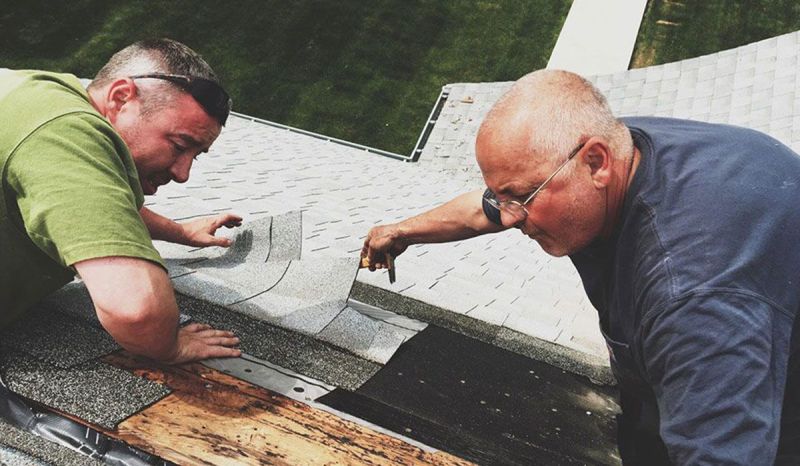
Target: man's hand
[200,341]
[458,219]
[381,240]
[135,303]
[200,232]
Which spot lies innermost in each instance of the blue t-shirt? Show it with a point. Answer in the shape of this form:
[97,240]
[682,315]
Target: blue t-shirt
[698,287]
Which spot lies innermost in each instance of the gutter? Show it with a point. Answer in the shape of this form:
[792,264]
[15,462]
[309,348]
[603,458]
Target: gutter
[371,150]
[413,157]
[432,118]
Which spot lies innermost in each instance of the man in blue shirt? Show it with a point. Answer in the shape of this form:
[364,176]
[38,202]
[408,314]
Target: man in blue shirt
[684,235]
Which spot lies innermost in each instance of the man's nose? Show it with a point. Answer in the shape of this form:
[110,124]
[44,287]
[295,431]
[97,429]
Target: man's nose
[181,168]
[511,221]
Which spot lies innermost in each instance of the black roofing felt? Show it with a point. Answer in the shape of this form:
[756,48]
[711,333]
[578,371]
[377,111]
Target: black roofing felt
[568,359]
[300,353]
[486,404]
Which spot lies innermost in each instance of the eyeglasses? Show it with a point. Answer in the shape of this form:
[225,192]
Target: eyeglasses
[516,209]
[209,94]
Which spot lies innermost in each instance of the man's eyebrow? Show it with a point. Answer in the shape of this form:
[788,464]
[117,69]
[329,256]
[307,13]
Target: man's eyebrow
[508,192]
[189,139]
[192,141]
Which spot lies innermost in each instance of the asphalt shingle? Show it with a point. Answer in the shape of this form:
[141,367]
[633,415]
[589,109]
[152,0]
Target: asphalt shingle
[307,298]
[92,391]
[27,449]
[57,338]
[300,353]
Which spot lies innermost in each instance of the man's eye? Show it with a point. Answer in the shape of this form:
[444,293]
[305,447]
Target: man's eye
[526,196]
[178,147]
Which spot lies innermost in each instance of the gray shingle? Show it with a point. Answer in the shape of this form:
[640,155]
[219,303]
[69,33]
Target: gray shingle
[308,297]
[38,448]
[287,235]
[57,338]
[92,391]
[351,331]
[300,353]
[13,457]
[251,243]
[364,336]
[226,286]
[387,341]
[73,299]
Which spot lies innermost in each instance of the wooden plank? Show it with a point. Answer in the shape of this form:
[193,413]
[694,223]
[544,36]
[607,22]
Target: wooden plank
[214,418]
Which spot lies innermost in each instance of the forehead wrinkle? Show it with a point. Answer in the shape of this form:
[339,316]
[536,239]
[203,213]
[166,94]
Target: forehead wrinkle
[195,133]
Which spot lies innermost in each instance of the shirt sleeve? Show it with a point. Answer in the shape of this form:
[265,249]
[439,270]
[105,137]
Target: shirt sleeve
[717,363]
[491,212]
[73,192]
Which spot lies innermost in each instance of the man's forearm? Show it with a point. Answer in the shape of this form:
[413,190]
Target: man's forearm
[461,218]
[135,303]
[458,219]
[162,228]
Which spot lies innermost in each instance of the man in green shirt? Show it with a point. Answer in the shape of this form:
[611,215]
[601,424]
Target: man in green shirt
[75,165]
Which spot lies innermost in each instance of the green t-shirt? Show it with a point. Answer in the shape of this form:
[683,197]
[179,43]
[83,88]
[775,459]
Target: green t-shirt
[70,191]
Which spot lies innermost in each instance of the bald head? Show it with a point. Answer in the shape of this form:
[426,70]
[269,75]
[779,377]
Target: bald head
[543,116]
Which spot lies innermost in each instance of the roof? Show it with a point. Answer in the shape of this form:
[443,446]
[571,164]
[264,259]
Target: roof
[753,86]
[287,285]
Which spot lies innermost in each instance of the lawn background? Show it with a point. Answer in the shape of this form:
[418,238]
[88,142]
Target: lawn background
[367,72]
[673,30]
[363,71]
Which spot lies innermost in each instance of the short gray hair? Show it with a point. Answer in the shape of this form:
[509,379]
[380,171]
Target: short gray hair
[154,56]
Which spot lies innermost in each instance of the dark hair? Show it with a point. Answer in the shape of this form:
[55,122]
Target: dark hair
[167,56]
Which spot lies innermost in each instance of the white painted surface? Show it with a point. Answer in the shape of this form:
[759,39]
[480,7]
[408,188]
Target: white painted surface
[598,36]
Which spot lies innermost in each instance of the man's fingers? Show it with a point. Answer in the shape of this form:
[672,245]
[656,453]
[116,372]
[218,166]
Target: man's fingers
[196,327]
[221,341]
[210,333]
[204,330]
[224,242]
[211,240]
[221,352]
[198,341]
[228,220]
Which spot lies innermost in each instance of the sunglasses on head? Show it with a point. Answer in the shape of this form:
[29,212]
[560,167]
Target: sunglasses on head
[209,94]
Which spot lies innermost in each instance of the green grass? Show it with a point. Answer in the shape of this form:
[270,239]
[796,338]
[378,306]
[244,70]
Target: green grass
[677,29]
[367,72]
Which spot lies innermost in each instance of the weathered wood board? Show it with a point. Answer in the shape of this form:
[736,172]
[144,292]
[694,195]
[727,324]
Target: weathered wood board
[213,418]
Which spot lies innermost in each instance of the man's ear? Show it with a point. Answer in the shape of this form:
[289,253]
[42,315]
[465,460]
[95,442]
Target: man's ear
[596,154]
[120,93]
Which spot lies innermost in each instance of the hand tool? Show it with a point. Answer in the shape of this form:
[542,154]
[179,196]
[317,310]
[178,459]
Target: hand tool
[389,262]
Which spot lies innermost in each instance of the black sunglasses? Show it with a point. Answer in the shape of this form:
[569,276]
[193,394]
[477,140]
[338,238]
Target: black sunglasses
[209,94]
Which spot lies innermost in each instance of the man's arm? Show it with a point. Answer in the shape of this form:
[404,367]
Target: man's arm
[460,218]
[198,232]
[135,303]
[717,362]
